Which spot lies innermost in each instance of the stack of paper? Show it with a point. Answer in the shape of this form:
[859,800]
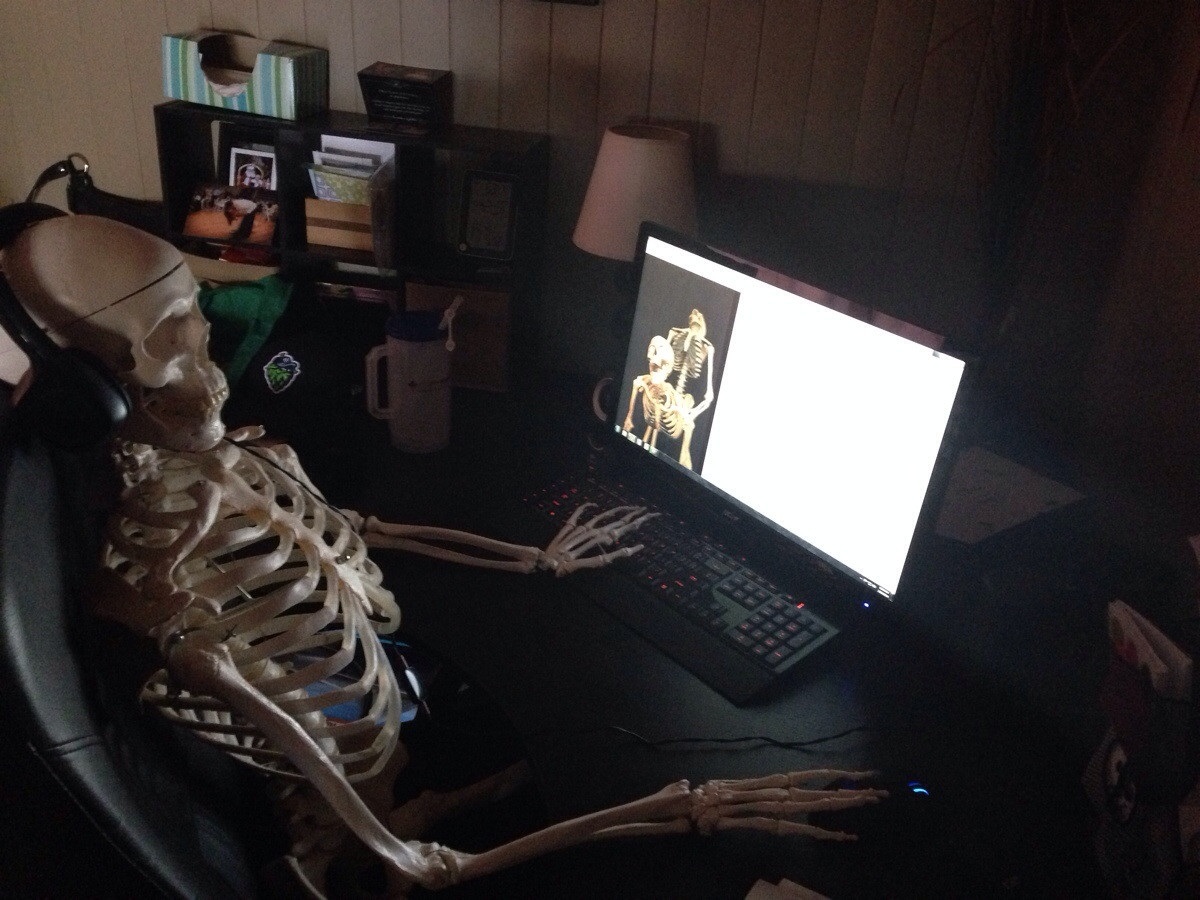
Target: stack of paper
[344,168]
[353,182]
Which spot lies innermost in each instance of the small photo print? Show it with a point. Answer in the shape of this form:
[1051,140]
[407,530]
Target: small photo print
[240,215]
[251,167]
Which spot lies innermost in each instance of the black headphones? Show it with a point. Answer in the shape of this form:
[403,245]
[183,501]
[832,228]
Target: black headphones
[72,402]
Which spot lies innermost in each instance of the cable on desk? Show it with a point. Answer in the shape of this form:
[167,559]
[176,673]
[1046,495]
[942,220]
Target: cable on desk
[745,739]
[661,743]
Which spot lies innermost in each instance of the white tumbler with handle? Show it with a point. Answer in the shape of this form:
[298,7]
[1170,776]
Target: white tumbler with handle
[416,357]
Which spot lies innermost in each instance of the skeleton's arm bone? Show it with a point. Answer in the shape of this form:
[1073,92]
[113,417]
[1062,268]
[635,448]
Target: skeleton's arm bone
[762,804]
[427,541]
[638,386]
[709,392]
[204,667]
[578,545]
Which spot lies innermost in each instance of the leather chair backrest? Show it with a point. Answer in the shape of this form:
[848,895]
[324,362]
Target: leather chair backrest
[184,818]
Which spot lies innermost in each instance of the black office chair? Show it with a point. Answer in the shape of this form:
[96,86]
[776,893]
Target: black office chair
[98,799]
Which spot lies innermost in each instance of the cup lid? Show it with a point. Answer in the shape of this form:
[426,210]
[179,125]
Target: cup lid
[414,325]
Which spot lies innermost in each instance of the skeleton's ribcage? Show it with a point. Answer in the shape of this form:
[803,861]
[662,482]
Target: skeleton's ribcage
[665,408]
[284,582]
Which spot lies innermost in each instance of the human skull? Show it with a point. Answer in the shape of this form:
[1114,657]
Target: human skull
[128,298]
[660,358]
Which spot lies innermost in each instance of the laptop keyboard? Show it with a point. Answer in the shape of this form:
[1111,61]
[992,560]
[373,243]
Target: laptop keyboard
[700,579]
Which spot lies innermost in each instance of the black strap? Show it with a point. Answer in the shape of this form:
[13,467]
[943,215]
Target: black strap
[85,198]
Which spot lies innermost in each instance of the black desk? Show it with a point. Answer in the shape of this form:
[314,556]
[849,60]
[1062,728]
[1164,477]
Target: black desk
[982,686]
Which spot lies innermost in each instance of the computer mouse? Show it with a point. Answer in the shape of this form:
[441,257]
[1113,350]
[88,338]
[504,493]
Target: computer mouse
[906,816]
[915,843]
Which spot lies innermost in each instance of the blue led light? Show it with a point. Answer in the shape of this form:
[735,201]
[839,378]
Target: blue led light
[917,788]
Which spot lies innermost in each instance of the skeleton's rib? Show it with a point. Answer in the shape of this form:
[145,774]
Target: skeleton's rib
[205,667]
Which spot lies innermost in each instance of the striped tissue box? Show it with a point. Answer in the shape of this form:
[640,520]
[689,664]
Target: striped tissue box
[271,78]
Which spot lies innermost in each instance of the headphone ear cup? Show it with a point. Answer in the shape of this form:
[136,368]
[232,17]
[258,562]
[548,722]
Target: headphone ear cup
[16,217]
[72,401]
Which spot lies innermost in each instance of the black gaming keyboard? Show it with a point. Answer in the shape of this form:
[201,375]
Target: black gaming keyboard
[692,596]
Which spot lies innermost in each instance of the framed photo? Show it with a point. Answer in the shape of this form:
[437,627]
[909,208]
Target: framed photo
[252,168]
[489,210]
[231,213]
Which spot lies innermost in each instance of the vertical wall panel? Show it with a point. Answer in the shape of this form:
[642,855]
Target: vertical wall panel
[55,26]
[10,121]
[330,24]
[789,40]
[109,115]
[680,29]
[962,243]
[626,49]
[475,60]
[524,64]
[235,15]
[282,20]
[574,83]
[891,85]
[575,313]
[839,68]
[727,94]
[425,30]
[144,23]
[376,32]
[31,98]
[186,15]
[949,85]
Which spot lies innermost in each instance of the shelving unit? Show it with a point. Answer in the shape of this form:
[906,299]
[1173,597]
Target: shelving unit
[438,178]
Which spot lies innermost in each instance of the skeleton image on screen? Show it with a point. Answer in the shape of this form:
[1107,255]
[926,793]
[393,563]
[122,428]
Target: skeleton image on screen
[684,355]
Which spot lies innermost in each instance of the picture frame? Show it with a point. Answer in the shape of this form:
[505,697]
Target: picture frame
[252,168]
[488,215]
[232,214]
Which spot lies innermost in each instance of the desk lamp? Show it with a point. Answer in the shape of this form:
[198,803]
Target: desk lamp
[642,172]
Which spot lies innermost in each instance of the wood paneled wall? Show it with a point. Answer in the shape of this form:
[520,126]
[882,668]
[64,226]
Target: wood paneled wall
[848,137]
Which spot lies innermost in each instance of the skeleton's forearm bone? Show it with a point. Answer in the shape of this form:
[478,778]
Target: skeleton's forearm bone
[414,538]
[449,535]
[672,802]
[678,809]
[567,552]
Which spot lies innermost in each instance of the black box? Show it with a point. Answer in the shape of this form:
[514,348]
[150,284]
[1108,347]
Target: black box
[418,99]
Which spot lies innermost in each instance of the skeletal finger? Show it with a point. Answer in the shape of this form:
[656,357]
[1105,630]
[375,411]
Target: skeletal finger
[789,779]
[595,562]
[775,826]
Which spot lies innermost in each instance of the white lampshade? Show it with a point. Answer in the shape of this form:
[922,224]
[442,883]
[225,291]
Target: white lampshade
[642,172]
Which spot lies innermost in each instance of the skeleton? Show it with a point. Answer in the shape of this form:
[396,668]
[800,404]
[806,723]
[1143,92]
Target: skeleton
[671,407]
[692,350]
[256,592]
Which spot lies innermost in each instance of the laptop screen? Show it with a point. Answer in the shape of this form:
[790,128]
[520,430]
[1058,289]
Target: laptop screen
[822,424]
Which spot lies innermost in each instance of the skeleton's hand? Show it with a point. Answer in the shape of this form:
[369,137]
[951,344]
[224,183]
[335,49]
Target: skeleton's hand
[581,545]
[628,423]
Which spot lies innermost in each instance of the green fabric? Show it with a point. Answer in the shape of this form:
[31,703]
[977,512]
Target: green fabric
[242,315]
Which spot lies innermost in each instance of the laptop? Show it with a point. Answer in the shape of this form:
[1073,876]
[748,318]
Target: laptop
[791,442]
